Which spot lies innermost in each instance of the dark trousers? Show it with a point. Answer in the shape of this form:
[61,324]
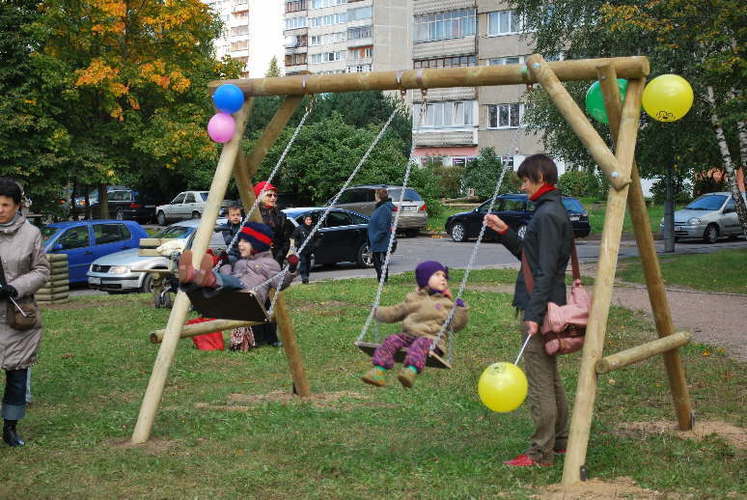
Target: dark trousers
[304,266]
[378,262]
[14,397]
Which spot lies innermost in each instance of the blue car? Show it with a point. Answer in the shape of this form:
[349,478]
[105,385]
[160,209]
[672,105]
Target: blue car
[87,240]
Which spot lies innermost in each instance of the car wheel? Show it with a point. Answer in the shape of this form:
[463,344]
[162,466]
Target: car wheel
[119,215]
[161,219]
[711,234]
[521,232]
[195,214]
[458,232]
[365,256]
[147,286]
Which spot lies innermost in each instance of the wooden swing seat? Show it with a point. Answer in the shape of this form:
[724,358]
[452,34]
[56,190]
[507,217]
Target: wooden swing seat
[435,359]
[229,304]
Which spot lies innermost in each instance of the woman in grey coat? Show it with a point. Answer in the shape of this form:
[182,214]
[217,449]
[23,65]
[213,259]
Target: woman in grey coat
[26,269]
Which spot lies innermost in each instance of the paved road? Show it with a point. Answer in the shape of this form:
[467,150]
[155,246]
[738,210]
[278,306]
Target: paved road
[411,251]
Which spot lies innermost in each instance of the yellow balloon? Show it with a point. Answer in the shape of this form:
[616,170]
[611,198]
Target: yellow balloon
[502,387]
[667,98]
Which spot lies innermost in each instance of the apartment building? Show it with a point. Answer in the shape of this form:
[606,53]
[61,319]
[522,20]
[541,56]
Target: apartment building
[252,33]
[454,124]
[346,36]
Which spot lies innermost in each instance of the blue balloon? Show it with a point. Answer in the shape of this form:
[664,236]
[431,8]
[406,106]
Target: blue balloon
[228,98]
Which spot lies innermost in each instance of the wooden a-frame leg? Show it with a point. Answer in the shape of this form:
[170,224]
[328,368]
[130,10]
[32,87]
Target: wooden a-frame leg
[583,408]
[165,357]
[650,261]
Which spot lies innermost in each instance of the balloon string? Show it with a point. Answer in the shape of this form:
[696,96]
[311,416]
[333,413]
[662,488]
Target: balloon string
[522,350]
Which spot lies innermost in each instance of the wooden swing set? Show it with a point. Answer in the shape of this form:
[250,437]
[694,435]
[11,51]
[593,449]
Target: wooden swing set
[619,167]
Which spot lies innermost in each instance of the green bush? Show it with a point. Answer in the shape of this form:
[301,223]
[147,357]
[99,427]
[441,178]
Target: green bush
[449,180]
[580,184]
[482,173]
[682,191]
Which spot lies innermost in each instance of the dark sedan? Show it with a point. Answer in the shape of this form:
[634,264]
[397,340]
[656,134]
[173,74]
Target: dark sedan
[342,238]
[517,211]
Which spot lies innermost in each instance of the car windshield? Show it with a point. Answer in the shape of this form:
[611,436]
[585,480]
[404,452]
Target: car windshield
[573,205]
[175,232]
[708,202]
[47,232]
[410,194]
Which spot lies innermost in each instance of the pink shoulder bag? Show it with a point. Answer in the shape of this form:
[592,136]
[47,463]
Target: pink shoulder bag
[564,326]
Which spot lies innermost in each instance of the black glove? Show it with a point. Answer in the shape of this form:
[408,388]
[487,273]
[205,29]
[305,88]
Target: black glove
[8,291]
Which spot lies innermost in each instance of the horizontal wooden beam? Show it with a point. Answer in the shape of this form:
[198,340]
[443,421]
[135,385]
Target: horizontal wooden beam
[633,67]
[205,327]
[644,351]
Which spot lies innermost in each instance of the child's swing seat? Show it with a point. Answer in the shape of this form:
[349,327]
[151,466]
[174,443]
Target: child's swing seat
[229,304]
[435,357]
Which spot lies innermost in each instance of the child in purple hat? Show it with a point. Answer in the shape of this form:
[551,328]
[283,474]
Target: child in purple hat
[423,314]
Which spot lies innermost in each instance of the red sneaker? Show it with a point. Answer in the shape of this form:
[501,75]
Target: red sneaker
[524,460]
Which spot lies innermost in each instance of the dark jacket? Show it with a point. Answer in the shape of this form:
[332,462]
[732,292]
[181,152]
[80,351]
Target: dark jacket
[547,245]
[228,232]
[300,234]
[281,228]
[380,226]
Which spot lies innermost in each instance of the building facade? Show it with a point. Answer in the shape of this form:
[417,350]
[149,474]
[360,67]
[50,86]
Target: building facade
[346,36]
[252,33]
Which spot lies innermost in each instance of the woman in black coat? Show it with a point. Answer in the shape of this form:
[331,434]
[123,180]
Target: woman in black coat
[547,246]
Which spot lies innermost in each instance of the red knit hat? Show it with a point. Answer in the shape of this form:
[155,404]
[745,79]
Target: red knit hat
[264,186]
[258,234]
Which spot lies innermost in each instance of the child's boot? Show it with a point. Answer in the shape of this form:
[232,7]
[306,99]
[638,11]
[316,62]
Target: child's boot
[407,375]
[375,376]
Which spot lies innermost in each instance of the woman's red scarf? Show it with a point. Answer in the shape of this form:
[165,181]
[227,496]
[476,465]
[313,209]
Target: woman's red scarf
[544,188]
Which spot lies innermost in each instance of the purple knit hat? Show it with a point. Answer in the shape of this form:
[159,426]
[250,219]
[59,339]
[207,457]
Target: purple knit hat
[425,270]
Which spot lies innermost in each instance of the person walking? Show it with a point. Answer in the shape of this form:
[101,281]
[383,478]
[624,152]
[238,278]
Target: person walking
[299,237]
[25,269]
[547,247]
[379,231]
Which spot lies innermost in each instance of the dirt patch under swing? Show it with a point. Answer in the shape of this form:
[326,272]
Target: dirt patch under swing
[152,446]
[735,436]
[594,489]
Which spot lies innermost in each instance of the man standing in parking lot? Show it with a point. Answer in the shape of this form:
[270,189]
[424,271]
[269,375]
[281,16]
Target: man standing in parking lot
[380,230]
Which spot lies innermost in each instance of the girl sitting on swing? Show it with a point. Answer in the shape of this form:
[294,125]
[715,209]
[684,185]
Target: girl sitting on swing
[423,314]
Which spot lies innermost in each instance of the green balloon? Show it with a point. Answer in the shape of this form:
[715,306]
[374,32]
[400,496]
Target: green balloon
[595,100]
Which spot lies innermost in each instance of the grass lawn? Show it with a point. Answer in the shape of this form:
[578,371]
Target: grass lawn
[596,211]
[722,271]
[434,441]
[436,222]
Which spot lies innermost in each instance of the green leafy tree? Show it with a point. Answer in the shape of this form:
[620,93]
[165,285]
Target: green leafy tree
[482,173]
[273,70]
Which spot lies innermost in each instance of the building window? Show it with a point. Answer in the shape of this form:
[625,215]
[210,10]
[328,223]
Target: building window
[320,4]
[444,114]
[446,62]
[329,20]
[505,115]
[292,23]
[360,68]
[504,22]
[240,45]
[295,5]
[445,25]
[295,59]
[508,161]
[295,41]
[500,61]
[239,30]
[326,57]
[360,13]
[359,32]
[328,38]
[360,53]
[242,14]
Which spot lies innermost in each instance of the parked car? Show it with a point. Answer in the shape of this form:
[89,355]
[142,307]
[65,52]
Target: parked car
[85,241]
[185,205]
[709,217]
[342,238]
[517,210]
[360,199]
[114,273]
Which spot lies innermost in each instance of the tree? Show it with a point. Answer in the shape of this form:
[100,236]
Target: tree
[273,70]
[482,173]
[703,42]
[133,100]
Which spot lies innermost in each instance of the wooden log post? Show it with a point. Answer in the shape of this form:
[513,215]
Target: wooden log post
[156,336]
[292,352]
[154,391]
[650,261]
[644,351]
[583,408]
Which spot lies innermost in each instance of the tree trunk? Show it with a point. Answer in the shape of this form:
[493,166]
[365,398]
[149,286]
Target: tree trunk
[742,134]
[88,201]
[103,202]
[731,177]
[669,212]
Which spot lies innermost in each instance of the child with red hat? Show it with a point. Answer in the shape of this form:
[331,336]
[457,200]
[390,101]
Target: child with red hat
[423,314]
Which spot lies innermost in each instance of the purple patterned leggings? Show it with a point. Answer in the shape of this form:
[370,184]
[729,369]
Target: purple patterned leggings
[417,351]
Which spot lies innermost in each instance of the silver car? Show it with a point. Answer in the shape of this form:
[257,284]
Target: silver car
[185,205]
[413,218]
[114,273]
[709,217]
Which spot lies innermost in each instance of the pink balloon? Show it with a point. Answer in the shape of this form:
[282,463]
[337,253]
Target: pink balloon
[221,127]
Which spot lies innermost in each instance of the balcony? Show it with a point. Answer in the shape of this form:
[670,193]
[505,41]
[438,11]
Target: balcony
[295,6]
